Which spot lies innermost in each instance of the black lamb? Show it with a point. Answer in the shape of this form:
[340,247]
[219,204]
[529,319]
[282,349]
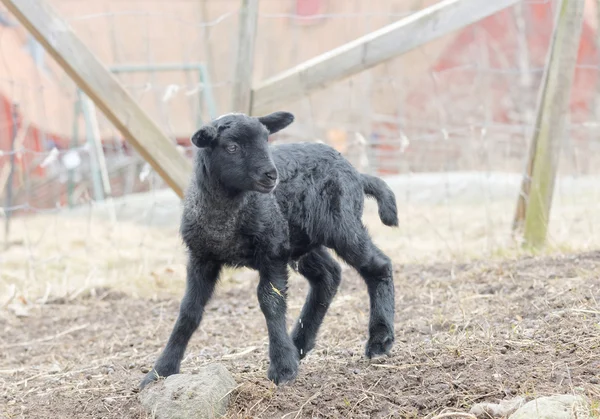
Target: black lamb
[266,207]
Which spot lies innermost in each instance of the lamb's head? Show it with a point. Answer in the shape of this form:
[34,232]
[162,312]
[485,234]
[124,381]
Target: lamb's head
[237,150]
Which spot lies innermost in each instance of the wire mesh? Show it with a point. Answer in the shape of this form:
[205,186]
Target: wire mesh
[448,125]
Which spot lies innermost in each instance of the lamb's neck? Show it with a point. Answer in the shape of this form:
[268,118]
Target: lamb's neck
[217,199]
[212,196]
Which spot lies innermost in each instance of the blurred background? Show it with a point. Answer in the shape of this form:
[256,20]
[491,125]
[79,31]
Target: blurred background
[447,125]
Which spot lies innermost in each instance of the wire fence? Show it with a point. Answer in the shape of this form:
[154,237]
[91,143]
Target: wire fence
[448,126]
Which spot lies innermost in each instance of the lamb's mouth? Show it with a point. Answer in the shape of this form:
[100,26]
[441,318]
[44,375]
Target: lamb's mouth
[266,187]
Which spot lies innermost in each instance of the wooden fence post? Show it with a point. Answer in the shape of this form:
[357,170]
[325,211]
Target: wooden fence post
[242,88]
[9,185]
[550,126]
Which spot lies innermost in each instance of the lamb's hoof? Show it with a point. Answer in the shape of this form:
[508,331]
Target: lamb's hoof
[303,347]
[283,371]
[158,372]
[151,377]
[379,344]
[303,352]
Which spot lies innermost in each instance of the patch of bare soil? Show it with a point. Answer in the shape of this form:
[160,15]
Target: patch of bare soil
[464,334]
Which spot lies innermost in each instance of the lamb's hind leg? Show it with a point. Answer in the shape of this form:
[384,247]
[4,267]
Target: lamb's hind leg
[357,249]
[324,275]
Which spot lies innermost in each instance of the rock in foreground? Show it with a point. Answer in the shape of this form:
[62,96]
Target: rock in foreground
[554,407]
[182,396]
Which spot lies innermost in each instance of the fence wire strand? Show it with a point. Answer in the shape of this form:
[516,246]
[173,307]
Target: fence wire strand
[448,126]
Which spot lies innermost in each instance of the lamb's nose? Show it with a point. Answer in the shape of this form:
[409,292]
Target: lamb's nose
[271,174]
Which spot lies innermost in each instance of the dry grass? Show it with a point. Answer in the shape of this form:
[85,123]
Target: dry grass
[86,305]
[56,255]
[465,333]
[61,256]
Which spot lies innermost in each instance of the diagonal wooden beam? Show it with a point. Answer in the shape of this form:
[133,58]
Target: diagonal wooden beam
[372,49]
[100,85]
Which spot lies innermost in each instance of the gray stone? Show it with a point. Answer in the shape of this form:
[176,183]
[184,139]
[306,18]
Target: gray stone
[555,407]
[183,396]
[497,410]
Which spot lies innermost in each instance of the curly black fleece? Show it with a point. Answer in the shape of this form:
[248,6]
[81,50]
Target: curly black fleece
[266,207]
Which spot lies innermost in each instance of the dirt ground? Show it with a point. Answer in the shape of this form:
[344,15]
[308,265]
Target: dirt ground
[465,333]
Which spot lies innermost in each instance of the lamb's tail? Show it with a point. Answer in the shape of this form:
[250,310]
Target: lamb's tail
[386,200]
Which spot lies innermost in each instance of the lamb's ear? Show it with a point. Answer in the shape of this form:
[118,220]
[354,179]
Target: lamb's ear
[276,121]
[204,136]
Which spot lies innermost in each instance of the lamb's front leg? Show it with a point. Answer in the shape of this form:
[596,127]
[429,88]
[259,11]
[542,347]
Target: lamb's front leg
[272,290]
[201,280]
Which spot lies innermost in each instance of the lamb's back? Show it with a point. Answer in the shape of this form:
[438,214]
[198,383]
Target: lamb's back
[304,164]
[318,189]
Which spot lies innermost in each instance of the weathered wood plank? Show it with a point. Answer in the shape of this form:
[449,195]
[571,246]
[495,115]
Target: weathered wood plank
[551,122]
[372,49]
[92,77]
[242,88]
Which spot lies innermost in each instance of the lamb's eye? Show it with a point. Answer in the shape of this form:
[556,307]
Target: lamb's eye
[232,148]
